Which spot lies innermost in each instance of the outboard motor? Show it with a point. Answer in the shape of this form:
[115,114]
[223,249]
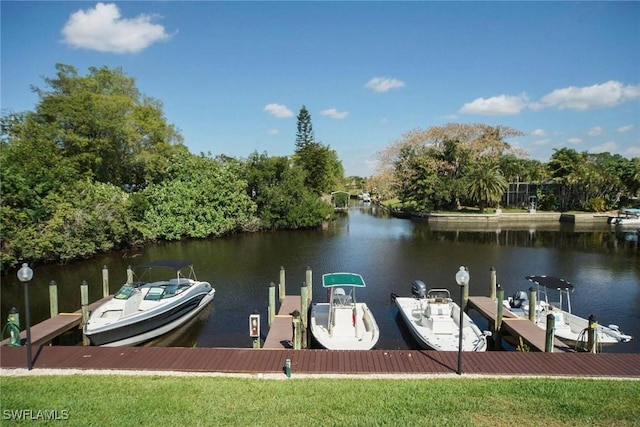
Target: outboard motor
[518,298]
[418,289]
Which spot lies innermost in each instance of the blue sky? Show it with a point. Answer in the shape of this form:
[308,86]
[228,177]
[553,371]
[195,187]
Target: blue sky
[233,75]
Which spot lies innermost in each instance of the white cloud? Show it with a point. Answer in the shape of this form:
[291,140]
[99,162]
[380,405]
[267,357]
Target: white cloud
[609,146]
[574,141]
[278,110]
[595,131]
[608,94]
[626,128]
[273,132]
[334,114]
[384,84]
[502,105]
[102,28]
[539,133]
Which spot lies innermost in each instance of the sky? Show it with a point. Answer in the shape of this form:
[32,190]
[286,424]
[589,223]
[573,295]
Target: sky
[233,76]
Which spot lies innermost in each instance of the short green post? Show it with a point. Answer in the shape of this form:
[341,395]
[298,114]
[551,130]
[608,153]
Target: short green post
[533,302]
[272,303]
[129,274]
[282,290]
[591,335]
[84,300]
[105,281]
[297,333]
[304,298]
[53,298]
[492,284]
[497,336]
[548,338]
[309,282]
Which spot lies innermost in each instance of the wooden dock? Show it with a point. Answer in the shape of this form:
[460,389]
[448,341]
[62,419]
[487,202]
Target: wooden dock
[44,332]
[531,334]
[280,333]
[371,363]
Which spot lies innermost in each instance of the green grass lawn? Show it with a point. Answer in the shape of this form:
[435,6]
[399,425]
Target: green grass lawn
[114,400]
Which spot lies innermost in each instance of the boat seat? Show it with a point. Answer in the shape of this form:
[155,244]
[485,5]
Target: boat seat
[340,297]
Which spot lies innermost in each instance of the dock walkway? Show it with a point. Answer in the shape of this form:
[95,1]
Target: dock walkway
[45,331]
[280,333]
[531,334]
[376,363]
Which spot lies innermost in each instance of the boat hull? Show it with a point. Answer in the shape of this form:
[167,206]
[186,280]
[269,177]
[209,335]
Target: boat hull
[344,334]
[441,334]
[146,325]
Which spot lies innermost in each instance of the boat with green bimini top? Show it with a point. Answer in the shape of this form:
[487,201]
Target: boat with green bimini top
[343,323]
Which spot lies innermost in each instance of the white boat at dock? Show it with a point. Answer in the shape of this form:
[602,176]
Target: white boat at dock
[141,311]
[630,217]
[567,326]
[343,323]
[434,320]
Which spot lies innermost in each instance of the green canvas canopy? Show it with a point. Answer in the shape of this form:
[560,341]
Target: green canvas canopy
[331,280]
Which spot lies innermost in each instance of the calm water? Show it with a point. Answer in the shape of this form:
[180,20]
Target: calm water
[390,253]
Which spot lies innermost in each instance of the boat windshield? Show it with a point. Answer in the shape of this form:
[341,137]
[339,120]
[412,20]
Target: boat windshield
[124,292]
[164,290]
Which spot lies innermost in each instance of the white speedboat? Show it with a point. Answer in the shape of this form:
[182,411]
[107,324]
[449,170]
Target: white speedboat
[434,320]
[140,311]
[626,217]
[343,323]
[567,326]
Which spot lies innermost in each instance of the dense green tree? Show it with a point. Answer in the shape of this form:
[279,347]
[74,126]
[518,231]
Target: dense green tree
[199,197]
[102,126]
[84,219]
[278,189]
[322,168]
[429,167]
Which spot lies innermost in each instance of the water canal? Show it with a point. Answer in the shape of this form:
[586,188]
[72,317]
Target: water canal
[390,253]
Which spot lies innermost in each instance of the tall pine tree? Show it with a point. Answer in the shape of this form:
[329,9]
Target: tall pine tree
[304,133]
[320,163]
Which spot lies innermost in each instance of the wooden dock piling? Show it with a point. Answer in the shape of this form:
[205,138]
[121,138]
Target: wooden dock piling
[282,291]
[497,336]
[272,303]
[84,300]
[105,281]
[492,283]
[53,298]
[309,282]
[533,302]
[304,304]
[548,338]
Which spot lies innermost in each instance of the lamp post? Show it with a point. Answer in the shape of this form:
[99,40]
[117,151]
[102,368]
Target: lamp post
[462,278]
[25,274]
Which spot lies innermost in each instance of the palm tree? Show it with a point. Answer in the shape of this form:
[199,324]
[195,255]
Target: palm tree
[486,185]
